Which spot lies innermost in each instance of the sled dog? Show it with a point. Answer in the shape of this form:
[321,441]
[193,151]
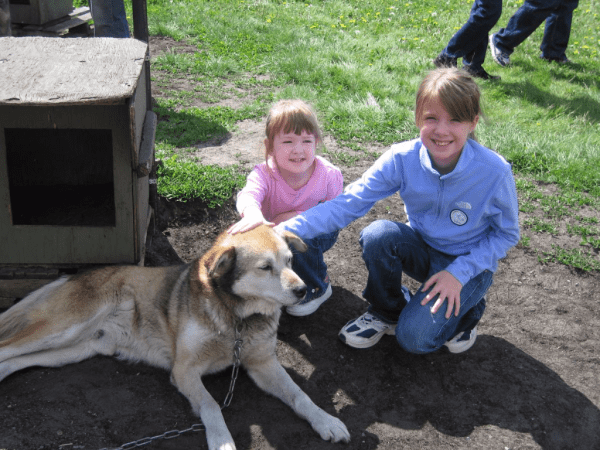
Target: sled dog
[181,318]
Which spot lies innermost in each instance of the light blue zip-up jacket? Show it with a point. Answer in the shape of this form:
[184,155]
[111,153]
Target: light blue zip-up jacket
[472,212]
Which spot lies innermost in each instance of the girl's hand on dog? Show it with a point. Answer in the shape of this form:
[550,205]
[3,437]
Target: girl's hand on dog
[448,288]
[252,218]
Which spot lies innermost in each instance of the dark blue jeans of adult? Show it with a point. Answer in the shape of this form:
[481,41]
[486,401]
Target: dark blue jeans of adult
[110,19]
[558,15]
[470,42]
[391,249]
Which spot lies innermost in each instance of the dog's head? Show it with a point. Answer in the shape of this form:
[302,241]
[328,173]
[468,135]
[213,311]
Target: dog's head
[256,266]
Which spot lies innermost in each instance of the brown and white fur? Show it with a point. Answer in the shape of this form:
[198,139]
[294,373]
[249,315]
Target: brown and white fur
[181,318]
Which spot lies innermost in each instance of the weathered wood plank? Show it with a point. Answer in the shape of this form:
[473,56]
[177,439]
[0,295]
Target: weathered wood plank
[80,16]
[77,17]
[47,71]
[39,11]
[146,157]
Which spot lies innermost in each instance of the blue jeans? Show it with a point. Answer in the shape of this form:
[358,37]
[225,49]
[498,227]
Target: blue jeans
[558,15]
[391,249]
[310,265]
[470,42]
[110,19]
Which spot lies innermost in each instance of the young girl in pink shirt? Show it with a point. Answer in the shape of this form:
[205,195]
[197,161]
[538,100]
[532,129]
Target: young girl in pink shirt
[292,180]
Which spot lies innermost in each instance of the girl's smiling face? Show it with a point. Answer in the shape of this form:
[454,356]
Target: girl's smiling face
[294,154]
[443,136]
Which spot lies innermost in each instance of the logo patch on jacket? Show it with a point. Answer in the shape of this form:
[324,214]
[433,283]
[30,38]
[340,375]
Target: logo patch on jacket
[458,217]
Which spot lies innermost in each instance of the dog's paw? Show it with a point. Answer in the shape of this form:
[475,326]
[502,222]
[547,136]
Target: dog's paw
[218,441]
[332,429]
[227,446]
[224,446]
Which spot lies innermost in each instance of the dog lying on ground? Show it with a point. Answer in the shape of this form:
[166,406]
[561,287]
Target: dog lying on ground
[182,318]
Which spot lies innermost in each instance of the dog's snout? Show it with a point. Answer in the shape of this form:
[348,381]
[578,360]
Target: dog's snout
[300,292]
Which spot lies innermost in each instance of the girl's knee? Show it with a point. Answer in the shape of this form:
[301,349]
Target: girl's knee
[376,229]
[378,233]
[414,340]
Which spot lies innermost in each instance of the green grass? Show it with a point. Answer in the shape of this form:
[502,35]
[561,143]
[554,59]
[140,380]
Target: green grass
[186,180]
[572,257]
[544,118]
[183,128]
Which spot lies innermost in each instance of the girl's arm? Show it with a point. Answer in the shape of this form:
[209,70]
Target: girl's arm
[380,181]
[249,202]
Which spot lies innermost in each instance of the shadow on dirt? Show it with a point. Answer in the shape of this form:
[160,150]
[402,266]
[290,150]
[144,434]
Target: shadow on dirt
[495,384]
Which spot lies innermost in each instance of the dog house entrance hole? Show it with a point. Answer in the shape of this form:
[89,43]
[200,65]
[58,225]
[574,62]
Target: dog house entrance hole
[60,177]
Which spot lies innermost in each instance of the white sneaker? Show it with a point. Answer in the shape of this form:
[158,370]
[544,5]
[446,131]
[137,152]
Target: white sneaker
[461,343]
[305,307]
[365,331]
[497,55]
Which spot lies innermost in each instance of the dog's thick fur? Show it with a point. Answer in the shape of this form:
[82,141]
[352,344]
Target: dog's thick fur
[181,318]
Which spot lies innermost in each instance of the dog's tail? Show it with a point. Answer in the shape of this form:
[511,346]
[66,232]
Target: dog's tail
[17,318]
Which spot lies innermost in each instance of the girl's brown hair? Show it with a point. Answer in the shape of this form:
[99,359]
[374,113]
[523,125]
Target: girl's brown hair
[455,89]
[291,116]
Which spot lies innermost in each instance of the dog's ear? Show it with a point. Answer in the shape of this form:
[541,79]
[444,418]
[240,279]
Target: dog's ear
[220,262]
[294,241]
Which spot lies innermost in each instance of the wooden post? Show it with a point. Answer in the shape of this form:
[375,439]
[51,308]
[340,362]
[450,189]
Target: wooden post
[140,20]
[5,28]
[140,31]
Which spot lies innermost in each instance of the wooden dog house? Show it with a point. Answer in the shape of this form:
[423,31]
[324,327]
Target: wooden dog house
[76,150]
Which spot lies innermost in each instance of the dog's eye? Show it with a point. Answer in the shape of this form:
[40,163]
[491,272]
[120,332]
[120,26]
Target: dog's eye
[289,262]
[266,267]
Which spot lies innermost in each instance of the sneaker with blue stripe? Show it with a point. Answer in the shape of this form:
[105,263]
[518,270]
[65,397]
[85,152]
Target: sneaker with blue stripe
[365,331]
[462,342]
[310,305]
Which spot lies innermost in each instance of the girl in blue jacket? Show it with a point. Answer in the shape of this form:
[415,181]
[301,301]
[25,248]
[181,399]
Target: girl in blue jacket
[461,203]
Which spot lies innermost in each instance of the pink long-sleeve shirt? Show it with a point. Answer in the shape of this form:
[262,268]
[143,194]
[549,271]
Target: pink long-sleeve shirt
[267,190]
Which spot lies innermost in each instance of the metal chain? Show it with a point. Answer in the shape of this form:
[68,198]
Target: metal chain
[237,352]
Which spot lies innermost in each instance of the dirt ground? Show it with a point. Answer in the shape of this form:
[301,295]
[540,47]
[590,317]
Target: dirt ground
[530,382]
